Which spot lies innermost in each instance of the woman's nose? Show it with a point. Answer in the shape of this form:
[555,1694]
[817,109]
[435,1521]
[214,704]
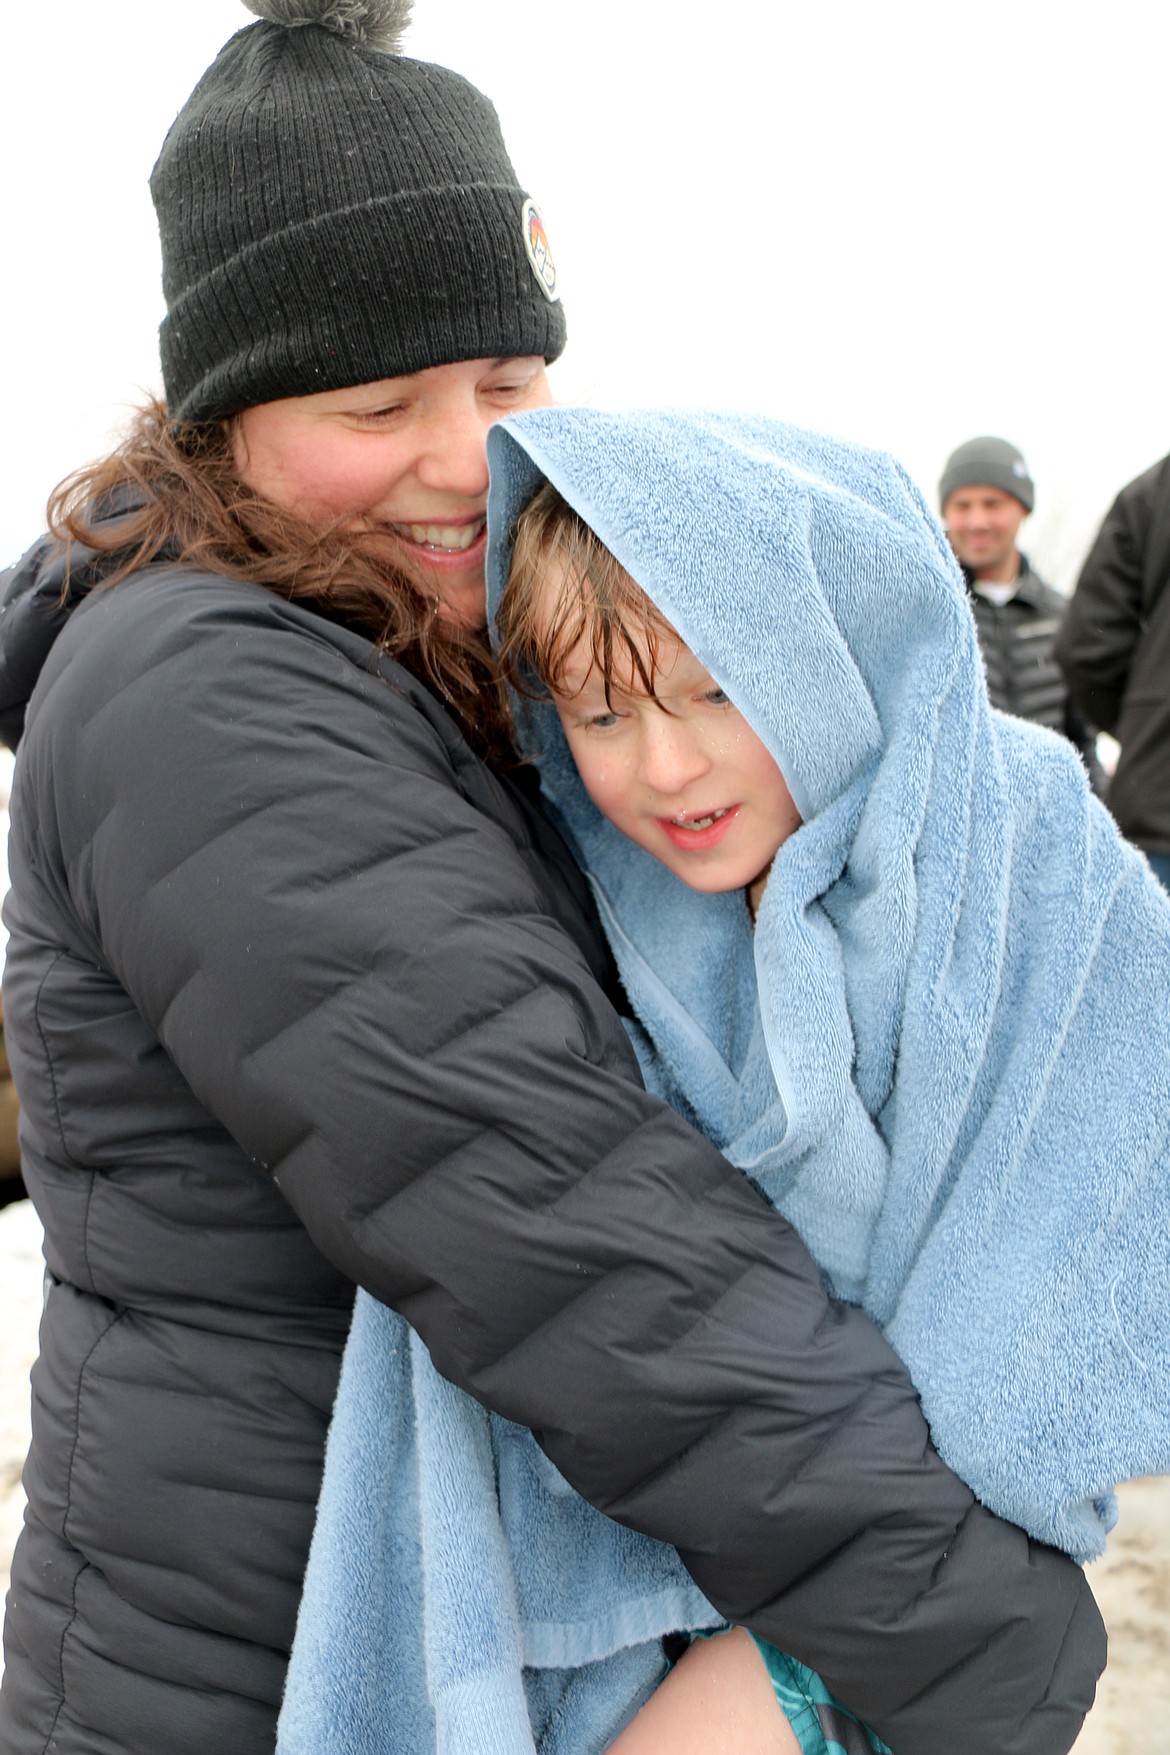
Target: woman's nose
[453,457]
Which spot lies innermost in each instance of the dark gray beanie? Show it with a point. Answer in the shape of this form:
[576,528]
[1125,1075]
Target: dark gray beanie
[332,213]
[988,462]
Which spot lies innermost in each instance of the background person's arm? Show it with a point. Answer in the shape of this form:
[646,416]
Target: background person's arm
[1106,613]
[338,931]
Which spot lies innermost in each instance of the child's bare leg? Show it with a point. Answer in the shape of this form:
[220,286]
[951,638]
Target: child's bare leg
[717,1700]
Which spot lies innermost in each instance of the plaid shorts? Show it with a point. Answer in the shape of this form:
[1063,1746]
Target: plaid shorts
[822,1725]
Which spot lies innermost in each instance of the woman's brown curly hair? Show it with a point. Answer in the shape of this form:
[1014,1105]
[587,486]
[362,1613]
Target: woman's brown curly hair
[188,505]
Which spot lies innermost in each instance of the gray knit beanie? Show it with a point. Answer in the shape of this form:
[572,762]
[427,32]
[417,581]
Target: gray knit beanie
[332,213]
[988,462]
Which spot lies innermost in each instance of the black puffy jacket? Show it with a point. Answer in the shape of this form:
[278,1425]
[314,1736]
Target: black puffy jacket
[1115,649]
[301,994]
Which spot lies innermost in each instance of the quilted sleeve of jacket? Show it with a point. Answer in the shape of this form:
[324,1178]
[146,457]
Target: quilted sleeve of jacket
[318,901]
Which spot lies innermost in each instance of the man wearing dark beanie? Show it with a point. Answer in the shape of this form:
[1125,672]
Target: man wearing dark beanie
[985,493]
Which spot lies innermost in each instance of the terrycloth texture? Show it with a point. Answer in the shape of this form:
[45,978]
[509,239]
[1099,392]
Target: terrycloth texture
[459,1595]
[956,1082]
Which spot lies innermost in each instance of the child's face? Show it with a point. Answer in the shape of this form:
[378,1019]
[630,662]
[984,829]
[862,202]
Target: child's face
[693,785]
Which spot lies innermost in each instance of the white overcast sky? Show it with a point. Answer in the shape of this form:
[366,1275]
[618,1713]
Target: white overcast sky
[906,223]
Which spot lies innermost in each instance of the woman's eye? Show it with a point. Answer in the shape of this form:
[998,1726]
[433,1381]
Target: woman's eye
[513,381]
[511,391]
[377,416]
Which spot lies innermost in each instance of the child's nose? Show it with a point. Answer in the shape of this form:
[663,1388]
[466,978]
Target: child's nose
[673,754]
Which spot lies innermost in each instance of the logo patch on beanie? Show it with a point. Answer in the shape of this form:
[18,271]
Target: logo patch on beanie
[537,248]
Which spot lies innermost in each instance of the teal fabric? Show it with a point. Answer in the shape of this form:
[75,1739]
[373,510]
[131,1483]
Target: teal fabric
[822,1725]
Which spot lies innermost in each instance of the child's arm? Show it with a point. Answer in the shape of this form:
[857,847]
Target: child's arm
[717,1700]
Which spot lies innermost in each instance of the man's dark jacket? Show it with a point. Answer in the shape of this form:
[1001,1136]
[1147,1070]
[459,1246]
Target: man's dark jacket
[1017,641]
[1115,649]
[301,994]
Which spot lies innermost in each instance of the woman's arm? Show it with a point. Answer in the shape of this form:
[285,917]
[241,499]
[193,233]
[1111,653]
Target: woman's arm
[335,925]
[717,1700]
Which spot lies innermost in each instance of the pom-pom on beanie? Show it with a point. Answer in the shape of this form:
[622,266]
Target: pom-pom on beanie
[332,212]
[988,462]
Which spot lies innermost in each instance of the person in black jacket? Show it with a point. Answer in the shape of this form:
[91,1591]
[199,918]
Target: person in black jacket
[302,992]
[985,493]
[1115,650]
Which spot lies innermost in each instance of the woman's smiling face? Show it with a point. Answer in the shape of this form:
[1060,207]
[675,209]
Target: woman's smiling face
[405,455]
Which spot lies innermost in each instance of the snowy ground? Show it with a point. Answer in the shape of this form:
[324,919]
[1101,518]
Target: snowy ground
[1132,1716]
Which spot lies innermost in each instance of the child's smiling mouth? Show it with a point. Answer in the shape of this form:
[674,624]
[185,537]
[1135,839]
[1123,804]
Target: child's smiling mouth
[688,820]
[693,832]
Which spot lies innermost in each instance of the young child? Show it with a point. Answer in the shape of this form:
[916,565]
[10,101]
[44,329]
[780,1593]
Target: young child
[880,941]
[884,947]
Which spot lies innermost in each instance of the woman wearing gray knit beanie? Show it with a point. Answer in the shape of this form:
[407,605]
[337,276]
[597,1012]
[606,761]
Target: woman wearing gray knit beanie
[303,992]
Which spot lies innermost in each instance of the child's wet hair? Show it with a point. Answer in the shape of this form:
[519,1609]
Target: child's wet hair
[564,586]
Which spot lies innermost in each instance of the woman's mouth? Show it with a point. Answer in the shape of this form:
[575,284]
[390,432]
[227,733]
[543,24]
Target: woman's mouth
[444,539]
[441,546]
[695,831]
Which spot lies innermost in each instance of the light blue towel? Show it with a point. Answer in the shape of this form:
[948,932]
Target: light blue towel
[460,1598]
[956,1082]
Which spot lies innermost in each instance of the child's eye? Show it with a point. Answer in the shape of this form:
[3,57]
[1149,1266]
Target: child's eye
[600,721]
[717,697]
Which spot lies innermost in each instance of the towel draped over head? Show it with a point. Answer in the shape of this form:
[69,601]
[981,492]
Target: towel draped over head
[957,1079]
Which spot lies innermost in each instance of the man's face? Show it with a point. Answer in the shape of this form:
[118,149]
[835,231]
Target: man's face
[982,526]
